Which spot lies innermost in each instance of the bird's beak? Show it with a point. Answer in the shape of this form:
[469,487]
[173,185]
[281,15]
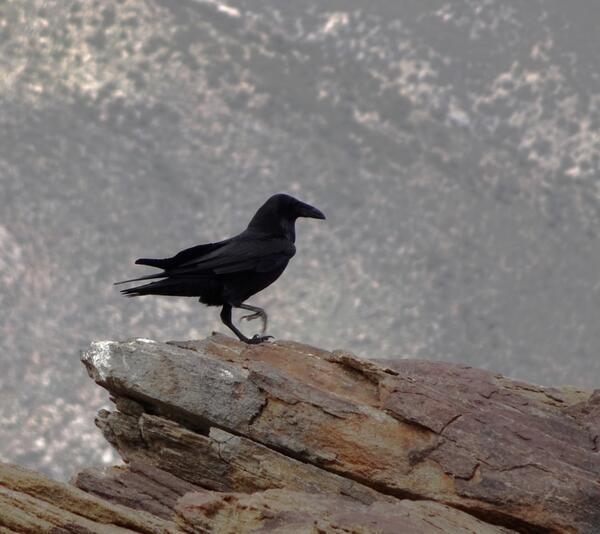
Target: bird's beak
[306,210]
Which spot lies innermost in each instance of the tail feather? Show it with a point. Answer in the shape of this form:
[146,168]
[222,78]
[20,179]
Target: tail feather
[149,277]
[177,287]
[146,289]
[132,292]
[152,262]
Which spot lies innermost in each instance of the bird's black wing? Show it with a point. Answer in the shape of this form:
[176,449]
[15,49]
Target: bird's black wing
[244,253]
[167,264]
[241,253]
[189,254]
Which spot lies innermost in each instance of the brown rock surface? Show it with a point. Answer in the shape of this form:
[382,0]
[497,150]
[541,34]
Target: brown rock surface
[289,416]
[138,486]
[33,504]
[219,461]
[285,512]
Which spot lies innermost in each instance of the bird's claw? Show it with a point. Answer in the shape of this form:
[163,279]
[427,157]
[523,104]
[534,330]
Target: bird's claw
[256,339]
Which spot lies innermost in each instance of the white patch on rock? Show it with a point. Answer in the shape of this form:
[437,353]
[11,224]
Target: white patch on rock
[144,340]
[376,414]
[100,355]
[226,374]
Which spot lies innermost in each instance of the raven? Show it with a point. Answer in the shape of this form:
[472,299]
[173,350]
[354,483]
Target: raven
[229,272]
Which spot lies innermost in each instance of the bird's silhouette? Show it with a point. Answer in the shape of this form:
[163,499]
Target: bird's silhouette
[229,272]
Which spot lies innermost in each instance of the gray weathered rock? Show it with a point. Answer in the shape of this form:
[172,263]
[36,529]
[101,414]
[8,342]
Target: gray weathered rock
[269,416]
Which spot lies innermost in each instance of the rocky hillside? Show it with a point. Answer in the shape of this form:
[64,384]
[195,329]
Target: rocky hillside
[452,144]
[218,436]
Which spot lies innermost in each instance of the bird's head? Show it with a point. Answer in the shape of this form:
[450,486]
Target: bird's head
[279,213]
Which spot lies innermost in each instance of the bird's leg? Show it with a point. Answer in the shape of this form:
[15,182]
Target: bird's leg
[226,318]
[258,313]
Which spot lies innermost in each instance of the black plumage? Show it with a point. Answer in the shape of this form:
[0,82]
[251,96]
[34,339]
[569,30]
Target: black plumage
[229,272]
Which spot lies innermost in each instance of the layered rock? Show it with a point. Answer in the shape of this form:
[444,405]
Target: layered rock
[32,503]
[218,436]
[292,417]
[284,512]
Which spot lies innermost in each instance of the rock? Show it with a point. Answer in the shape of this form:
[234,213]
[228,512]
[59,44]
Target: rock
[138,486]
[219,461]
[284,511]
[382,434]
[223,461]
[32,503]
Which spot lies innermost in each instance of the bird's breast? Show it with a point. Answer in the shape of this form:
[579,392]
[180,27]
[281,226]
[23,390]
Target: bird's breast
[241,286]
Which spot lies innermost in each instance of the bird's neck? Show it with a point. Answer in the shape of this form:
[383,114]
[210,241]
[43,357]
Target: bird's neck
[289,229]
[284,228]
[272,224]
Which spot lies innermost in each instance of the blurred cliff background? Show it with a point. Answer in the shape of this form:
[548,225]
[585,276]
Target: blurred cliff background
[453,145]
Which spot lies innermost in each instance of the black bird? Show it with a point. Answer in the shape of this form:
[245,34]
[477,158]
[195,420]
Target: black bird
[231,271]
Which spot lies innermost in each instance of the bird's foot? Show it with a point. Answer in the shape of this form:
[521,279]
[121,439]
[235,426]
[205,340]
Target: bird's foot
[258,315]
[256,339]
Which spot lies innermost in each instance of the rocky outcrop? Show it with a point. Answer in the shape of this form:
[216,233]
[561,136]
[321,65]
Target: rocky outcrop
[218,436]
[289,416]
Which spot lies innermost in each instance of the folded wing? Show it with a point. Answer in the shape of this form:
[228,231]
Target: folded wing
[242,253]
[239,254]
